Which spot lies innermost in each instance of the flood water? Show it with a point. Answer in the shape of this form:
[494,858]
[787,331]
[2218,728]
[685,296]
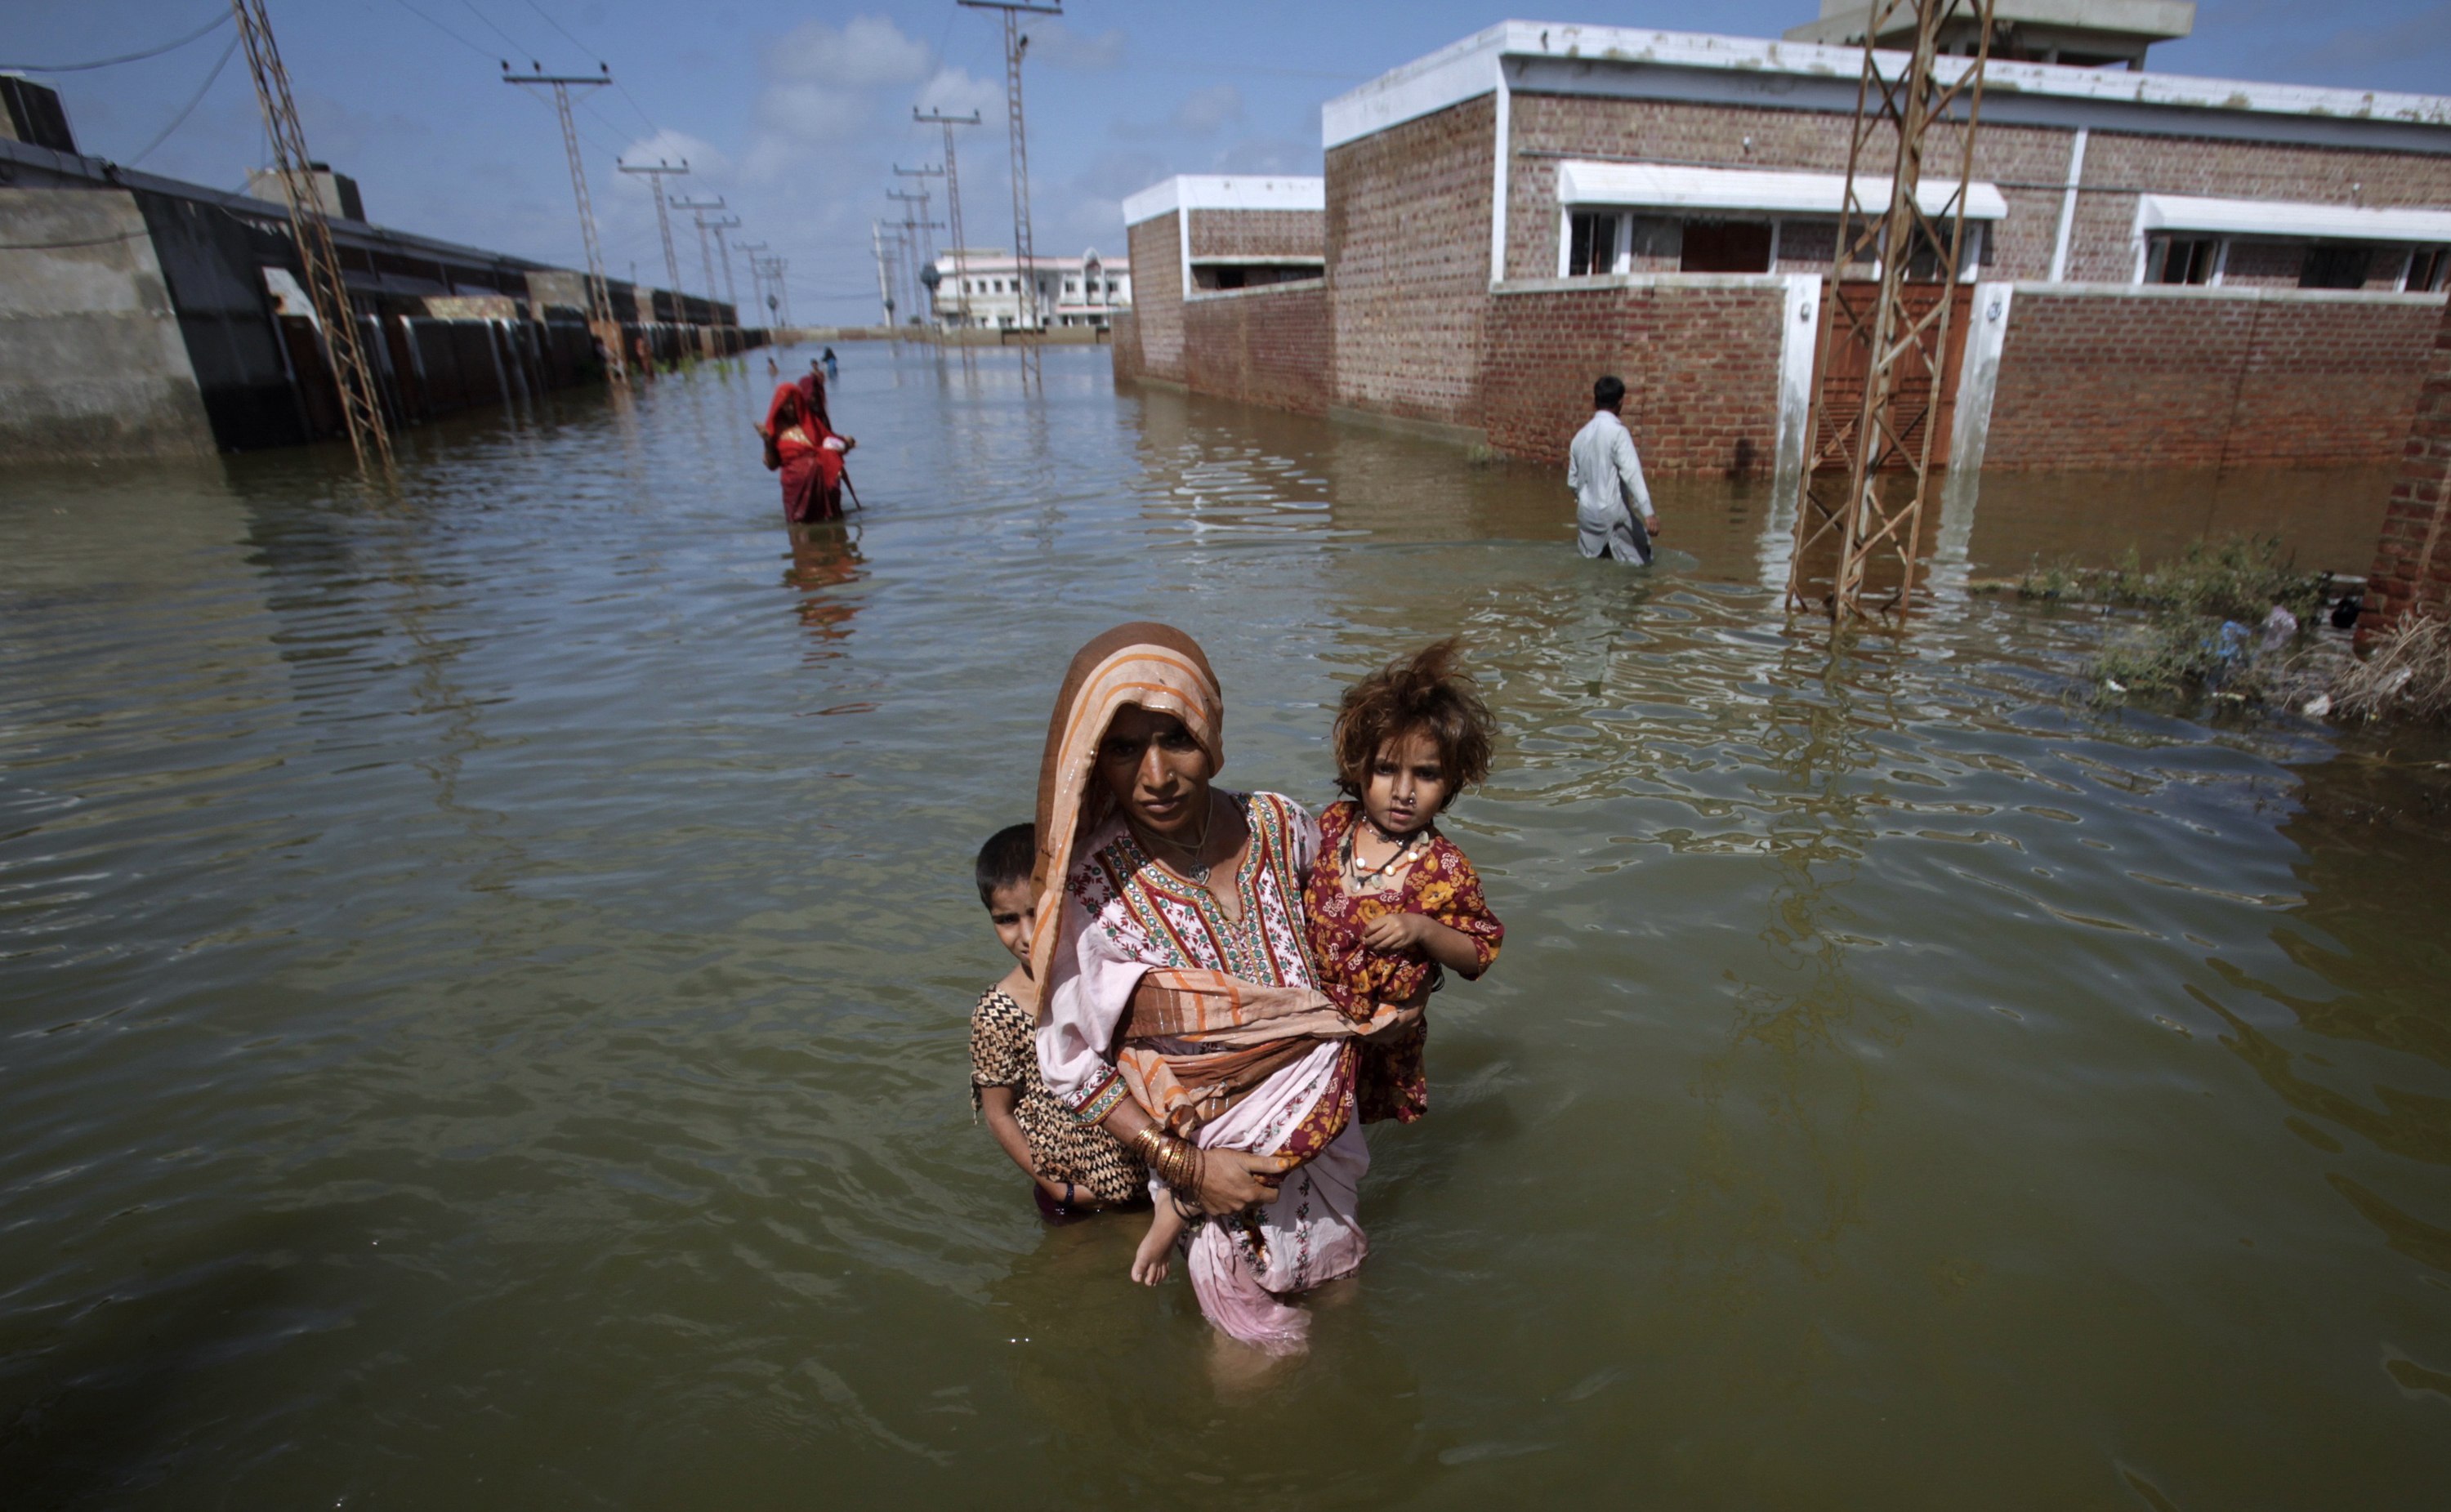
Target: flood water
[487,974]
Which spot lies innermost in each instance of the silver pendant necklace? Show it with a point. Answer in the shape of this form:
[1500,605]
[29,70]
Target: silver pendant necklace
[1193,868]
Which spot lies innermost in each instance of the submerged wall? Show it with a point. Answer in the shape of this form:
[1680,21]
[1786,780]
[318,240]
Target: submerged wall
[91,359]
[1265,345]
[2159,376]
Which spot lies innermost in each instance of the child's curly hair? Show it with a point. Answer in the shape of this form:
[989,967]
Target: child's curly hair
[1425,693]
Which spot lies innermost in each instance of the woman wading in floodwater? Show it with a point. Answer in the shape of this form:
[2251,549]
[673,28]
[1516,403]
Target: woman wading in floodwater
[1178,943]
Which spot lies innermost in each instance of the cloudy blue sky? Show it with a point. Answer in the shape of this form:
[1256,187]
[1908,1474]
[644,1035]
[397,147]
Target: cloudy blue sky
[795,112]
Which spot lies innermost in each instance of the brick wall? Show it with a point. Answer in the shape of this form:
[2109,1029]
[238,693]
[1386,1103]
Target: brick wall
[1700,365]
[2412,567]
[1258,233]
[1157,293]
[2029,163]
[1126,345]
[1268,345]
[2151,378]
[1408,264]
[2232,170]
[1719,135]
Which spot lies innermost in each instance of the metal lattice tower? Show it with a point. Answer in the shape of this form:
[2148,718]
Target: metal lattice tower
[1897,346]
[361,400]
[1023,251]
[914,238]
[599,291]
[953,210]
[663,223]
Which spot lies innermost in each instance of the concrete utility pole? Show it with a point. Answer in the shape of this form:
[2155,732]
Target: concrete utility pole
[756,291]
[361,400]
[911,239]
[781,269]
[927,243]
[599,293]
[1023,251]
[655,177]
[883,284]
[953,205]
[723,255]
[705,253]
[1900,342]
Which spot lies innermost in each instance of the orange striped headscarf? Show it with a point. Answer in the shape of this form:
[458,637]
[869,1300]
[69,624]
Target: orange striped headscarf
[1156,667]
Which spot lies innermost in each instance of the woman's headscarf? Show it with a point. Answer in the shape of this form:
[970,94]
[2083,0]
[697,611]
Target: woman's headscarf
[812,398]
[1154,666]
[783,411]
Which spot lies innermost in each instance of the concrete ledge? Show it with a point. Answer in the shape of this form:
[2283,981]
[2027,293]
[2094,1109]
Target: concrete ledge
[1405,425]
[1768,282]
[2209,291]
[1291,286]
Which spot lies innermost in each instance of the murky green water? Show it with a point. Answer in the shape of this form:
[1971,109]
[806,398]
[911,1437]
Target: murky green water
[486,976]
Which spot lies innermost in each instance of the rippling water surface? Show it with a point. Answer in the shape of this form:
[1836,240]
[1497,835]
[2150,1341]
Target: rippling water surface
[487,974]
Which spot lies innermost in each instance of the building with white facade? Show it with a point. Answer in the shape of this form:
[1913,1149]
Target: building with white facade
[982,286]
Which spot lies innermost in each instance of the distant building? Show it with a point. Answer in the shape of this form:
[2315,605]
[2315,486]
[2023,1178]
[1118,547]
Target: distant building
[982,288]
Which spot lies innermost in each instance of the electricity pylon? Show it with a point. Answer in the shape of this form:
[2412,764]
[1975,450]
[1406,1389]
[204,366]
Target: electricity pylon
[953,205]
[1906,115]
[600,292]
[927,245]
[361,400]
[756,272]
[1024,250]
[655,177]
[723,255]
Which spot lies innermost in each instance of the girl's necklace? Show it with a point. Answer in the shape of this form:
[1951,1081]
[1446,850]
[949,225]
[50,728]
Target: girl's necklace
[1193,868]
[1353,856]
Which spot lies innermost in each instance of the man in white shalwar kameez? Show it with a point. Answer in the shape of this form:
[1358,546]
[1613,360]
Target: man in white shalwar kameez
[1606,479]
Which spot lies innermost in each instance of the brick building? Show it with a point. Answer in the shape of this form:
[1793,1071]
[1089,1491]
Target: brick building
[1231,282]
[2158,271]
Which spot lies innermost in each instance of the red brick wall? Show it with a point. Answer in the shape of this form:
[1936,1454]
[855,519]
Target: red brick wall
[2119,379]
[2412,566]
[1700,365]
[1264,346]
[2034,157]
[1126,345]
[1258,233]
[1157,294]
[1408,264]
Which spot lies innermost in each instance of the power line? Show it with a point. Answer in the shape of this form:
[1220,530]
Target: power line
[222,19]
[195,100]
[470,5]
[483,52]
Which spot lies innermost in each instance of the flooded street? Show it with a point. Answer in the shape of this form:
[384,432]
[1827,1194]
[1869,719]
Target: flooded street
[487,973]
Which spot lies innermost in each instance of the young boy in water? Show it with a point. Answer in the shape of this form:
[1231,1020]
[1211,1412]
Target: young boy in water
[1072,1166]
[1390,903]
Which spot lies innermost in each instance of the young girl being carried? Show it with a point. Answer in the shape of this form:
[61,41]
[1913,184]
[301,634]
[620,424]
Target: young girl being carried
[1390,901]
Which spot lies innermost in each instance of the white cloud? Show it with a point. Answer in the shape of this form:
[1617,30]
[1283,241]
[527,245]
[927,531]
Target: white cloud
[868,53]
[956,92]
[1205,111]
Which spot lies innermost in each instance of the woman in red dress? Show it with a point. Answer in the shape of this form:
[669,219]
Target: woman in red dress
[805,451]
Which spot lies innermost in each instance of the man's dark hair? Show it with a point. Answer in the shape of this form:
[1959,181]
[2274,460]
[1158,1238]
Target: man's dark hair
[1608,393]
[1007,858]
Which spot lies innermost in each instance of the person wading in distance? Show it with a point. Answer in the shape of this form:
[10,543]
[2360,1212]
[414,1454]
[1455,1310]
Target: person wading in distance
[1606,479]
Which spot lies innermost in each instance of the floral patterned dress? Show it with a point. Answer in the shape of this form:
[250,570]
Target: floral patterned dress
[1390,1080]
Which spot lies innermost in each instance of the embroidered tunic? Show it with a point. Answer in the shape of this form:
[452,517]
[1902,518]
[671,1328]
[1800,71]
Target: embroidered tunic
[1392,1082]
[1061,1147]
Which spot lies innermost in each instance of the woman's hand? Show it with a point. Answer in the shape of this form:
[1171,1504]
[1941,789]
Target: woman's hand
[1404,1018]
[1233,1180]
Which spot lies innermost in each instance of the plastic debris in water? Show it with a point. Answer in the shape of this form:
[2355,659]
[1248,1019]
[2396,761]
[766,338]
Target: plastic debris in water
[2318,706]
[2280,628]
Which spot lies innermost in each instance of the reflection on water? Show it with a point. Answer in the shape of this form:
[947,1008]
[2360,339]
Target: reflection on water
[487,970]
